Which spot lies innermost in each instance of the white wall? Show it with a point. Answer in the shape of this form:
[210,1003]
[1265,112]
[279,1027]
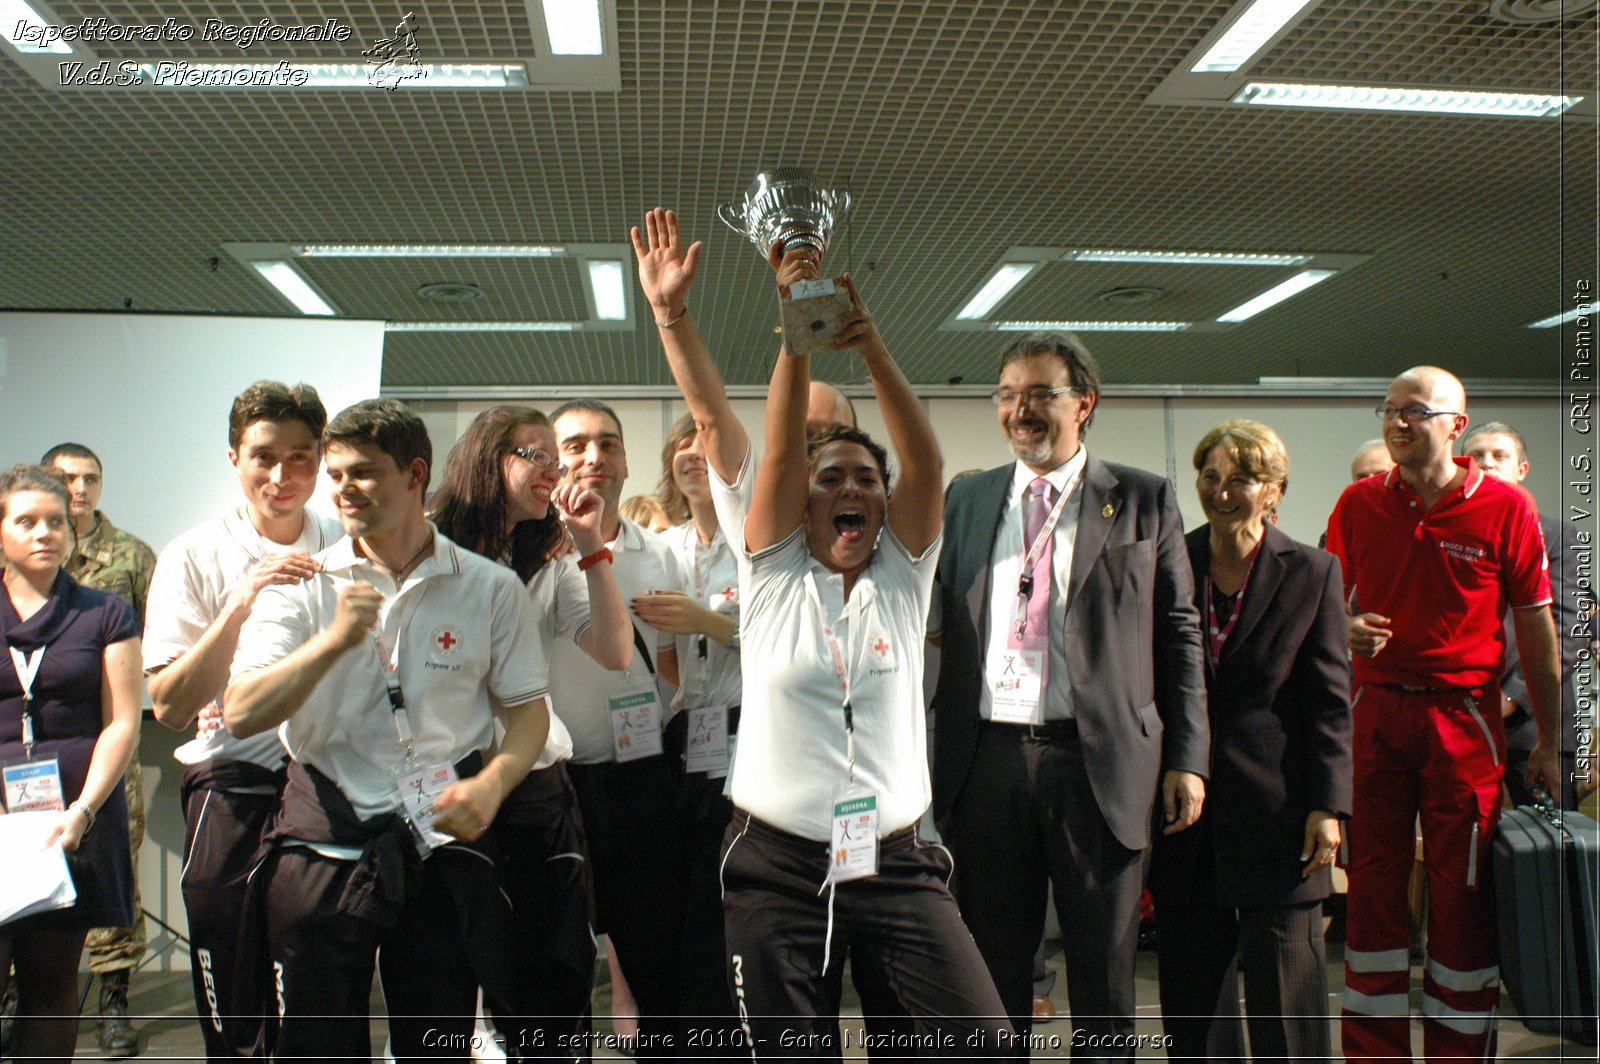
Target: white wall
[150,394]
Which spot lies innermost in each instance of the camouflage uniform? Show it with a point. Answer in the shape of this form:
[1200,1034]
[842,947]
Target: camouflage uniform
[109,559]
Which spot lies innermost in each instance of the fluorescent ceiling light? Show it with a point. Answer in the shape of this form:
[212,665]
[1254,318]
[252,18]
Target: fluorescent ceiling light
[1561,319]
[285,74]
[1277,294]
[429,251]
[995,289]
[15,14]
[287,280]
[1248,35]
[483,326]
[574,27]
[610,295]
[1091,326]
[1366,98]
[1186,258]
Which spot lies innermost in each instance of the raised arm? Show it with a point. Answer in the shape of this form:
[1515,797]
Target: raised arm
[181,688]
[609,638]
[778,505]
[916,508]
[262,699]
[666,272]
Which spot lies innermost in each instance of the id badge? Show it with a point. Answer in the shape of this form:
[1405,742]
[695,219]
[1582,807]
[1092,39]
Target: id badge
[635,725]
[1016,685]
[34,786]
[419,802]
[707,749]
[855,833]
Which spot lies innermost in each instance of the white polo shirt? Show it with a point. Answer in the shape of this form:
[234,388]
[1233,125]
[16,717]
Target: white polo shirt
[459,630]
[193,579]
[582,688]
[559,594]
[792,749]
[712,580]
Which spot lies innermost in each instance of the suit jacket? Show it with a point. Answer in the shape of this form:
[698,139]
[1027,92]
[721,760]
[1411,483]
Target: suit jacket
[1280,732]
[1522,731]
[1132,633]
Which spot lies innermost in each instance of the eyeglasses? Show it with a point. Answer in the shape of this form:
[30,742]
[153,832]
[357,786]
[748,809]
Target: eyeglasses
[1411,415]
[1006,397]
[537,455]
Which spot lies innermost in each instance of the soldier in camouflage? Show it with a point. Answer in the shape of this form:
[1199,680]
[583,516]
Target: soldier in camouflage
[109,559]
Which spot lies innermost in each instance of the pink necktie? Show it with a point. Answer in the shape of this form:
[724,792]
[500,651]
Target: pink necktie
[1040,502]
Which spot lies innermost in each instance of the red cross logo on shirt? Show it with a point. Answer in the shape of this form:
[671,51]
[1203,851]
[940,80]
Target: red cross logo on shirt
[446,641]
[881,647]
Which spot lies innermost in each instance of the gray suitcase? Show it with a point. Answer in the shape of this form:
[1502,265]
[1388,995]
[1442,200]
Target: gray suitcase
[1545,881]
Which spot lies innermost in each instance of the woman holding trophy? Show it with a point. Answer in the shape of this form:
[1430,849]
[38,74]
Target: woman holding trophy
[823,857]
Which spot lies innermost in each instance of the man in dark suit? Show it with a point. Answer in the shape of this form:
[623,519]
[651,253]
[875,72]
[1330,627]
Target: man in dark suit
[1501,452]
[1071,675]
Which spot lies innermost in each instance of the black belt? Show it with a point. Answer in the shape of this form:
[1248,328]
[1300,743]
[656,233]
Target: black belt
[1049,731]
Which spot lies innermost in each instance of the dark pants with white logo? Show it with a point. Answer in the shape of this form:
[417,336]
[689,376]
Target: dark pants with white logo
[903,920]
[322,961]
[224,830]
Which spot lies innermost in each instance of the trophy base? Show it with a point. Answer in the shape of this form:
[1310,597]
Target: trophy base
[810,314]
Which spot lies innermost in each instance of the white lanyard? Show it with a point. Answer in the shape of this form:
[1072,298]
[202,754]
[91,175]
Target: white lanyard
[840,670]
[27,669]
[389,661]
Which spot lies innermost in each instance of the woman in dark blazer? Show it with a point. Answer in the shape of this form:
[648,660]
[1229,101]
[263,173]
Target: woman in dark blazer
[1242,890]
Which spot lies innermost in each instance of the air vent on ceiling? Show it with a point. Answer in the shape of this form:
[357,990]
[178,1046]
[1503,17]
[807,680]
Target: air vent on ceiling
[450,292]
[1529,11]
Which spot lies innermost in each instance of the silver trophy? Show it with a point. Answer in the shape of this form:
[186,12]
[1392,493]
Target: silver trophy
[786,208]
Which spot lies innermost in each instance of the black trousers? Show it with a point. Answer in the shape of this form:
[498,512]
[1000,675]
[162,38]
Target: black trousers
[1028,819]
[1279,950]
[639,859]
[544,859]
[222,834]
[903,919]
[323,959]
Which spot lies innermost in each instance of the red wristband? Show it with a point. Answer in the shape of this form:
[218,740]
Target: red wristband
[590,560]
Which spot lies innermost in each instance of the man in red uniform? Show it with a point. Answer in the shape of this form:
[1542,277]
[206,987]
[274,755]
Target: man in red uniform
[1433,553]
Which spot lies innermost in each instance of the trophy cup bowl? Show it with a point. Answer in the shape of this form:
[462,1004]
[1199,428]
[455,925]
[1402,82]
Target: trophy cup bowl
[786,208]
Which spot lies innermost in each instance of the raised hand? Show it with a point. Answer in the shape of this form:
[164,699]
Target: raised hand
[857,328]
[666,270]
[356,613]
[802,264]
[581,511]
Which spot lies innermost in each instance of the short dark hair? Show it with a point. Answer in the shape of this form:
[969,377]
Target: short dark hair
[275,401]
[70,450]
[388,424]
[848,434]
[33,478]
[1498,428]
[593,406]
[1081,367]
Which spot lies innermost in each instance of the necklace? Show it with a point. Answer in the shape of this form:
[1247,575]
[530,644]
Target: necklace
[400,573]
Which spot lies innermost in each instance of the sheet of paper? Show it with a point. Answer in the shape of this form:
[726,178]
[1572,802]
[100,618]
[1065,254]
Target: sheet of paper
[36,878]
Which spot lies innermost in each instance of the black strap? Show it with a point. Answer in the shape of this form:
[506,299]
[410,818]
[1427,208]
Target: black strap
[638,644]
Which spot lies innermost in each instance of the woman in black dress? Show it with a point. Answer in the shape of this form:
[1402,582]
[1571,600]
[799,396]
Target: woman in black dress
[69,692]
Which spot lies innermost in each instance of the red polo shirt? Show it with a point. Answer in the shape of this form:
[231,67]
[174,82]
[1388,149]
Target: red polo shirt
[1443,576]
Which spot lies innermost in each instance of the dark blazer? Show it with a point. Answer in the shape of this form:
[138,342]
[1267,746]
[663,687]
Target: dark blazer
[1280,731]
[1133,640]
[1562,544]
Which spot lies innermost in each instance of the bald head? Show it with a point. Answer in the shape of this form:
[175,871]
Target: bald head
[826,406]
[1370,459]
[1443,388]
